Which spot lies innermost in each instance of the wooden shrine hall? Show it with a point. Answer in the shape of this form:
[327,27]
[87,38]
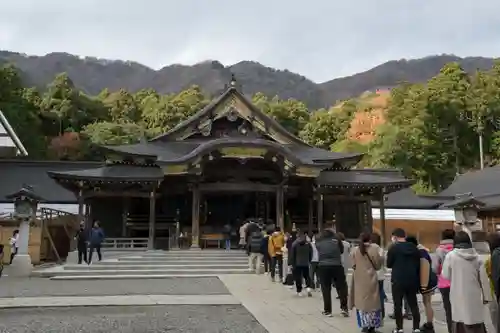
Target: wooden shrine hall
[227,163]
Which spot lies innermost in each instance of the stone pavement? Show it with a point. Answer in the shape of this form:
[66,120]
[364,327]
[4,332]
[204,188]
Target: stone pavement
[279,310]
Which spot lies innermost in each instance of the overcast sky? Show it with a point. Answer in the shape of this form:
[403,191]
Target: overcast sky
[321,39]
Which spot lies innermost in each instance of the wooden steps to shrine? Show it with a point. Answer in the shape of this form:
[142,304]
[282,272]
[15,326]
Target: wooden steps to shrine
[154,264]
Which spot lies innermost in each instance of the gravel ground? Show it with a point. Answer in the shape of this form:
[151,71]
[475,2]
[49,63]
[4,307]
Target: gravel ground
[172,319]
[11,287]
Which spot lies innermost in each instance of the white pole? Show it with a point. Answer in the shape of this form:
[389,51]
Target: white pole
[481,154]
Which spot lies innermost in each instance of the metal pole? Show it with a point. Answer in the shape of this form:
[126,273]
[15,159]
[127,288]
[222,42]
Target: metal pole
[481,154]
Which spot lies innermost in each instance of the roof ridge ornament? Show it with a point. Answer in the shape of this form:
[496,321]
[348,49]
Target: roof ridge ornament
[233,82]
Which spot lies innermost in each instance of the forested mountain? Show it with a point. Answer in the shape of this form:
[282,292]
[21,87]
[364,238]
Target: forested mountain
[428,129]
[92,75]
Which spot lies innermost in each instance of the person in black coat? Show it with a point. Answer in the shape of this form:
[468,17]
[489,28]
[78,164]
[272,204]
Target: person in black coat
[299,258]
[81,243]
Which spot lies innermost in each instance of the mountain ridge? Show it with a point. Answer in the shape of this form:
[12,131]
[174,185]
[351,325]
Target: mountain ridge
[92,75]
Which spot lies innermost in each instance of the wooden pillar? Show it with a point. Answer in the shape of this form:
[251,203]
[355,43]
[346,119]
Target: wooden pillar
[267,208]
[382,218]
[310,216]
[280,218]
[369,215]
[126,201]
[81,213]
[319,201]
[195,218]
[152,219]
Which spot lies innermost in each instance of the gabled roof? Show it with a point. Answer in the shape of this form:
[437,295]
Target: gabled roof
[479,183]
[9,138]
[171,148]
[232,93]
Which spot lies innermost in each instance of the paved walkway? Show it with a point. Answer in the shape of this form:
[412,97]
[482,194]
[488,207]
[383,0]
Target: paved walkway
[279,310]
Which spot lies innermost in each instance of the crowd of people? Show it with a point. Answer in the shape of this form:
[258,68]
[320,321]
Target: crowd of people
[321,261]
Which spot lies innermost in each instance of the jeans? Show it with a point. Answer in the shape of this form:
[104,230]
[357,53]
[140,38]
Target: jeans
[82,254]
[398,293]
[277,261]
[383,296]
[327,276]
[97,248]
[445,294]
[13,254]
[301,273]
[254,262]
[228,244]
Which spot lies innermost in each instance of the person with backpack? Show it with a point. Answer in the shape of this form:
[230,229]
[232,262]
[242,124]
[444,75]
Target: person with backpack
[445,246]
[330,250]
[404,259]
[275,249]
[299,258]
[255,249]
[469,291]
[428,283]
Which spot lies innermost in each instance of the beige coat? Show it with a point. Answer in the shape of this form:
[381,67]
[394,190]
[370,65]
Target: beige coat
[470,287]
[364,294]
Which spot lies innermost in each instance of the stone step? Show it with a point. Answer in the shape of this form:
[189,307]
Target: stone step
[193,254]
[142,272]
[183,260]
[112,266]
[127,277]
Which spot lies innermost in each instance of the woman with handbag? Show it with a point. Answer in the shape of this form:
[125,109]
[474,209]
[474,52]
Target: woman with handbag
[365,292]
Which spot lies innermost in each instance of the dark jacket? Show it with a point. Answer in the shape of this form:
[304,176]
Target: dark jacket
[264,245]
[495,271]
[96,236]
[255,245]
[300,254]
[329,251]
[404,259]
[81,238]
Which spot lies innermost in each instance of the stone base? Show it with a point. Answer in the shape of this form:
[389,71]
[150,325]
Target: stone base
[72,257]
[195,247]
[21,266]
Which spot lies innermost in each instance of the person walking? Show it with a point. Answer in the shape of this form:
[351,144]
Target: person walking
[376,239]
[275,249]
[81,243]
[96,238]
[266,257]
[226,231]
[445,246]
[428,283]
[14,245]
[255,248]
[346,256]
[404,259]
[314,264]
[330,250]
[365,292]
[494,243]
[299,258]
[469,286]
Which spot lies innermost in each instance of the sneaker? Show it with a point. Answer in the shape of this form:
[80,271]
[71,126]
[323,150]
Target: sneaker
[309,292]
[397,331]
[327,314]
[417,330]
[300,294]
[344,313]
[427,327]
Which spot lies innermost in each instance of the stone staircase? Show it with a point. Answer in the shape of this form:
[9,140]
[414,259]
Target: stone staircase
[154,264]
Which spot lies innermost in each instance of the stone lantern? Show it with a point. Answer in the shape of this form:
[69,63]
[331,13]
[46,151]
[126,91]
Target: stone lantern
[466,209]
[25,207]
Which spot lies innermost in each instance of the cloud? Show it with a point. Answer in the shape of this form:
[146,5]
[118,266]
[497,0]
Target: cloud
[320,39]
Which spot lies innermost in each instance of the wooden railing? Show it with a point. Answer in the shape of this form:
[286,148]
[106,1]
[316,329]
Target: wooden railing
[125,244]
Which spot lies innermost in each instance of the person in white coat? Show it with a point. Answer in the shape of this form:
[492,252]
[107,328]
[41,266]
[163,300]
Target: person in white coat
[469,286]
